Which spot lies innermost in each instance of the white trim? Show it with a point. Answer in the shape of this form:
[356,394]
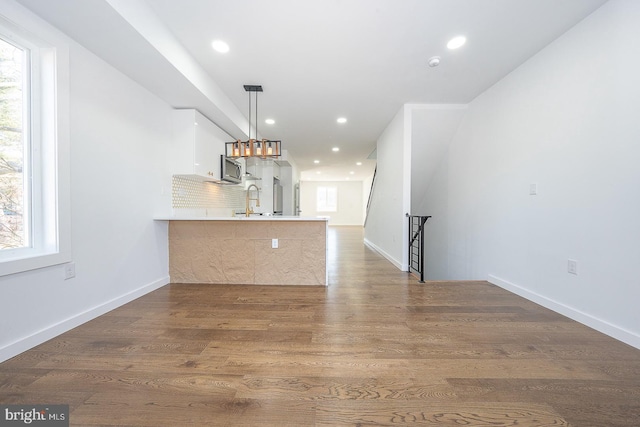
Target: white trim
[26,343]
[391,259]
[406,181]
[599,325]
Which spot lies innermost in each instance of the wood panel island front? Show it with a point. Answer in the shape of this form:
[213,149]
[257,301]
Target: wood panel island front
[260,250]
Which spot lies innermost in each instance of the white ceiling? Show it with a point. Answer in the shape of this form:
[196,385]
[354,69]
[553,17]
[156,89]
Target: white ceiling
[318,60]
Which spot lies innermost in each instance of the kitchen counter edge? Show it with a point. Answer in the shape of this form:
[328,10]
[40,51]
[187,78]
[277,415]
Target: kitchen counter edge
[240,218]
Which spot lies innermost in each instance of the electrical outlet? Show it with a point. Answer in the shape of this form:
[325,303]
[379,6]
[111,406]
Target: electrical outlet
[69,270]
[572,267]
[274,243]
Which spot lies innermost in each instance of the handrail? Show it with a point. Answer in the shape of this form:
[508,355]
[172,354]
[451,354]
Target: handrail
[373,182]
[416,252]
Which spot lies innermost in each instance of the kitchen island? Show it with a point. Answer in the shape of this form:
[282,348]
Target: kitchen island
[260,250]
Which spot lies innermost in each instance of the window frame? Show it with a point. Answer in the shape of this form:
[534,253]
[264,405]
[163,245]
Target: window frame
[48,130]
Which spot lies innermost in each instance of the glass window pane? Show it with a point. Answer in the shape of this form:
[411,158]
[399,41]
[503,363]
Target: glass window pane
[13,189]
[327,199]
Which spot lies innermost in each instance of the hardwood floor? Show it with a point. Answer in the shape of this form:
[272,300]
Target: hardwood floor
[374,348]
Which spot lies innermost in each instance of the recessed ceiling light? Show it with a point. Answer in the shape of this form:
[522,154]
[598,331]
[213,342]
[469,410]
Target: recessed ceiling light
[359,164]
[351,173]
[318,173]
[434,61]
[270,121]
[316,161]
[336,149]
[342,120]
[456,42]
[220,46]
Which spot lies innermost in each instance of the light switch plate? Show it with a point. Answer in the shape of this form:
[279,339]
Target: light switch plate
[274,243]
[533,189]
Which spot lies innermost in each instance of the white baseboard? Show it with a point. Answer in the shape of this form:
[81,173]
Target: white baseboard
[63,326]
[600,325]
[391,259]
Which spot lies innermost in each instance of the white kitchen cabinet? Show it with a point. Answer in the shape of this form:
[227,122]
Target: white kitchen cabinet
[197,146]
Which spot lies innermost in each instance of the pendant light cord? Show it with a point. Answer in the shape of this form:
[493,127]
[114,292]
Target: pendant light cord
[249,115]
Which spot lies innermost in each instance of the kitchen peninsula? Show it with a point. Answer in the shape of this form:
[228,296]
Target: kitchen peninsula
[260,250]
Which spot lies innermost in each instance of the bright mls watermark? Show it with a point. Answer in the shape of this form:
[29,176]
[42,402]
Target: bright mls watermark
[34,415]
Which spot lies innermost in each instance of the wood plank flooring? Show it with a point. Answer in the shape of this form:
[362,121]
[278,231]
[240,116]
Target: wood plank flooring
[374,348]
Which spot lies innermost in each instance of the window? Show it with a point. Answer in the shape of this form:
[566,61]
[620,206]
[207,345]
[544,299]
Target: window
[34,201]
[15,149]
[327,199]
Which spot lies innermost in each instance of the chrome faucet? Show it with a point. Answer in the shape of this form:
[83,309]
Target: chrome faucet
[248,210]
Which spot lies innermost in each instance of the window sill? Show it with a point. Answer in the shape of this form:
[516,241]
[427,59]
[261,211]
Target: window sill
[33,262]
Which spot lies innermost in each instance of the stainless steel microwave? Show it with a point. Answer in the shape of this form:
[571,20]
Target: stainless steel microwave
[231,170]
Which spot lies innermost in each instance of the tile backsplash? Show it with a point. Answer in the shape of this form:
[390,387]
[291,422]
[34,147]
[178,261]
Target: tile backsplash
[210,198]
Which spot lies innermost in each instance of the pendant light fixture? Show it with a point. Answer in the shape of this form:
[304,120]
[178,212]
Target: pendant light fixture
[253,147]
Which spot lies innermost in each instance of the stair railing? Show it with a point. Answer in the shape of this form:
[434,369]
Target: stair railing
[416,244]
[373,183]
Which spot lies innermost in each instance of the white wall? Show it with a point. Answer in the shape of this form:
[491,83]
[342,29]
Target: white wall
[386,229]
[432,128]
[119,134]
[349,201]
[436,201]
[567,119]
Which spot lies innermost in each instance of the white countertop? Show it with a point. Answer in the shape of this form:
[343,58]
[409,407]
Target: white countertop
[240,218]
